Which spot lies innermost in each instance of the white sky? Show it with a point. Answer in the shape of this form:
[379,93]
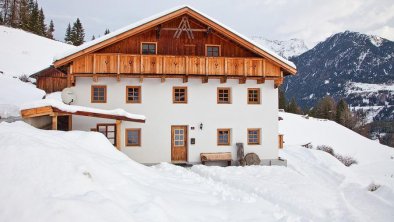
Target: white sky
[310,20]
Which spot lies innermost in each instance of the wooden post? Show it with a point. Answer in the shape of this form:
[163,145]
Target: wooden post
[118,134]
[264,71]
[118,68]
[70,122]
[54,121]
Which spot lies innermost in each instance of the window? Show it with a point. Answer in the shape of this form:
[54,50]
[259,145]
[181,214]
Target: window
[254,96]
[133,137]
[179,94]
[224,96]
[99,94]
[109,131]
[148,48]
[254,136]
[212,50]
[179,137]
[224,137]
[133,94]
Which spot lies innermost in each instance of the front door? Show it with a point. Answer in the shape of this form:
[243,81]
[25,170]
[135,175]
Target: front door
[178,143]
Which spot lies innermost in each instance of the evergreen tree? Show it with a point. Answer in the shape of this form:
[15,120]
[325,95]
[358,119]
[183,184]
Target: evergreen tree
[282,100]
[93,37]
[14,14]
[1,19]
[77,33]
[42,27]
[34,18]
[293,107]
[67,38]
[343,115]
[24,14]
[50,30]
[5,11]
[106,31]
[325,108]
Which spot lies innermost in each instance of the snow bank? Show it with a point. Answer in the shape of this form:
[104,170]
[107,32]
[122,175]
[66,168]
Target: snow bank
[79,176]
[72,108]
[13,93]
[156,16]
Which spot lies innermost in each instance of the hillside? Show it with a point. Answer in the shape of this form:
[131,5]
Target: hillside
[82,177]
[286,49]
[24,53]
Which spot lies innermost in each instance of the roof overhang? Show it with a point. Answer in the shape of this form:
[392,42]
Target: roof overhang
[52,111]
[104,41]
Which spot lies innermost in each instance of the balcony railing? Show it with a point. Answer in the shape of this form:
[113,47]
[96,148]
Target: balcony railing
[174,65]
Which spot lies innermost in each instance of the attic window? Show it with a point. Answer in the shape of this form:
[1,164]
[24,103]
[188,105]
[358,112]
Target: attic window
[212,50]
[148,48]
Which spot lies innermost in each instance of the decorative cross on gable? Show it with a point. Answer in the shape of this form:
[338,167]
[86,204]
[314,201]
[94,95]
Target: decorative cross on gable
[184,26]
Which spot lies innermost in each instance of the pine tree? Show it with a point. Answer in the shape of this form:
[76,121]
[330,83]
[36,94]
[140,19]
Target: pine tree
[34,18]
[14,14]
[1,19]
[282,99]
[293,107]
[5,11]
[106,31]
[93,37]
[343,115]
[67,38]
[77,33]
[325,108]
[50,30]
[24,14]
[42,27]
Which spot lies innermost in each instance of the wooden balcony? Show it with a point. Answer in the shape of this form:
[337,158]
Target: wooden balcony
[128,64]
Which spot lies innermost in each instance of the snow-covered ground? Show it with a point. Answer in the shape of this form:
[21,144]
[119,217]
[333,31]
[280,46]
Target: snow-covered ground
[24,53]
[80,176]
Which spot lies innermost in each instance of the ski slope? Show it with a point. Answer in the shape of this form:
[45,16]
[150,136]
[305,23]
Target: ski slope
[79,176]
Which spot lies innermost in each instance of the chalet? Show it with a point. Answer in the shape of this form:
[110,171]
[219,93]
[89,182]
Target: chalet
[202,87]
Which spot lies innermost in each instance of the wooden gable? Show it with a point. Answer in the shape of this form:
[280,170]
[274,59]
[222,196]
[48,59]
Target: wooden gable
[170,44]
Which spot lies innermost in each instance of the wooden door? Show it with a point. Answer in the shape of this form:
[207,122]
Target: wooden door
[179,143]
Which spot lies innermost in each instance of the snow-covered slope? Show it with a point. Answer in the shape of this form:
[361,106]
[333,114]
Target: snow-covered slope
[24,53]
[286,49]
[375,160]
[79,176]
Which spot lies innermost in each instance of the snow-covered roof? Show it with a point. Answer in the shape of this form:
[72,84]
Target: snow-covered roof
[156,16]
[74,109]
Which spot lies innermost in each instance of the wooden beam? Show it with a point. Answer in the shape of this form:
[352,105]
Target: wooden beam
[118,68]
[242,80]
[141,79]
[204,79]
[70,122]
[185,79]
[261,81]
[118,134]
[163,79]
[54,121]
[99,115]
[223,80]
[95,77]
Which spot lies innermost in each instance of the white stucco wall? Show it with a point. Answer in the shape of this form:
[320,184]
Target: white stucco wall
[202,107]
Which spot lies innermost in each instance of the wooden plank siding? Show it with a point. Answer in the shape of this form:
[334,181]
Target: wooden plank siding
[174,65]
[168,45]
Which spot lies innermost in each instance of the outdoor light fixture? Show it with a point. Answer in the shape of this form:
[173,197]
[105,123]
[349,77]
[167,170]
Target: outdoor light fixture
[201,126]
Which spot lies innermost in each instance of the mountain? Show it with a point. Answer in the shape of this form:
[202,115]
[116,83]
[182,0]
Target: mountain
[348,65]
[24,53]
[286,49]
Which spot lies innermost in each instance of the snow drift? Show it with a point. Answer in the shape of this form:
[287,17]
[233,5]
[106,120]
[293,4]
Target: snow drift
[80,176]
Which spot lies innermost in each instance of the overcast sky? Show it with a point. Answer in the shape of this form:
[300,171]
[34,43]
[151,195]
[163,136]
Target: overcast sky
[310,20]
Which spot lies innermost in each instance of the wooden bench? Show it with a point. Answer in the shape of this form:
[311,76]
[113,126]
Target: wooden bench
[212,157]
